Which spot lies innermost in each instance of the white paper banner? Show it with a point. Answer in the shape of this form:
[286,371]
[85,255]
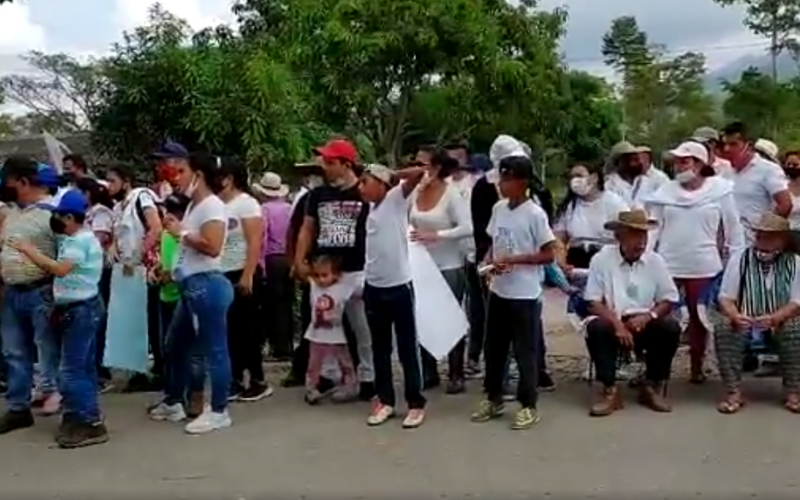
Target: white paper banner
[441,321]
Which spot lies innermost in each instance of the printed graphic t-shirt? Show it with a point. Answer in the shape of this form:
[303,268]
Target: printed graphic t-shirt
[86,255]
[327,312]
[341,218]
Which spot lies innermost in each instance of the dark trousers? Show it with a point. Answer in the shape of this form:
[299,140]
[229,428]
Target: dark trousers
[300,356]
[245,340]
[476,311]
[513,324]
[167,311]
[277,304]
[100,351]
[154,336]
[391,309]
[659,342]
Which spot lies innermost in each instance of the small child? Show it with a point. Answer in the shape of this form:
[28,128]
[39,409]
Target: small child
[78,312]
[522,243]
[326,334]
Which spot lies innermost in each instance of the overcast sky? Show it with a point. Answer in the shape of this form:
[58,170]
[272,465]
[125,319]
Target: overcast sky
[89,27]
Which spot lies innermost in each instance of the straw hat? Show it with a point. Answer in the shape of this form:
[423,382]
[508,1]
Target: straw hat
[633,219]
[770,223]
[767,147]
[270,184]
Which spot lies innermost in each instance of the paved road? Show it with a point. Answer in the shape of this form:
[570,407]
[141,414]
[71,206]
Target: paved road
[281,446]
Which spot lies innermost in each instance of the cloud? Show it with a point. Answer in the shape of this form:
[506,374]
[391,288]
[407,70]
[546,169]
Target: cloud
[679,25]
[198,13]
[18,33]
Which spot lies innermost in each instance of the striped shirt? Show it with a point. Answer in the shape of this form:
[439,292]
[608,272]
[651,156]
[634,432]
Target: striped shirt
[31,224]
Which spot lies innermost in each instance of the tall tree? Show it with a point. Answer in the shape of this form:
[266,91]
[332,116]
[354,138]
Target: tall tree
[778,20]
[59,87]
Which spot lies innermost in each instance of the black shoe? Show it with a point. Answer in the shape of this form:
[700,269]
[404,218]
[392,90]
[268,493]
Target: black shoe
[236,391]
[142,383]
[456,386]
[366,391]
[80,434]
[325,385]
[13,420]
[546,383]
[65,427]
[256,392]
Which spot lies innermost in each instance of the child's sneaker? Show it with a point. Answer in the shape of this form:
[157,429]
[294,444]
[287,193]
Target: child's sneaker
[209,421]
[343,394]
[168,413]
[380,413]
[487,411]
[473,370]
[414,418]
[525,419]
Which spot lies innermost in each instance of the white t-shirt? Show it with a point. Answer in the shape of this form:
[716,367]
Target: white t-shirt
[129,230]
[387,241]
[450,219]
[642,186]
[754,188]
[327,312]
[100,219]
[724,169]
[584,220]
[239,208]
[627,288]
[794,216]
[522,230]
[190,261]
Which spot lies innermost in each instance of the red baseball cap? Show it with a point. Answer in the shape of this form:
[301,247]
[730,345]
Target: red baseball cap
[338,149]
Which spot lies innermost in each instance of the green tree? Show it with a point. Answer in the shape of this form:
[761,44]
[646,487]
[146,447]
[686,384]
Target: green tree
[765,105]
[60,88]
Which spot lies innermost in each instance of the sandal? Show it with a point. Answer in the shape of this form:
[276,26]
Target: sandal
[732,403]
[792,402]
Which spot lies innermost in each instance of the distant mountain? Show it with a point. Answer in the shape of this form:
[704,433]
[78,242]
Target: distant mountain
[787,68]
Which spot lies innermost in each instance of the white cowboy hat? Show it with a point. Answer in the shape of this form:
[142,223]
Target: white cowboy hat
[270,184]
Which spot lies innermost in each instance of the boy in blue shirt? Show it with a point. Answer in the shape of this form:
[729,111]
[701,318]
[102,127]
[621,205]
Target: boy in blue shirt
[78,313]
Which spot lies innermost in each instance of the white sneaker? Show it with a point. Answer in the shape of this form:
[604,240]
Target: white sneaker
[209,421]
[380,413]
[163,412]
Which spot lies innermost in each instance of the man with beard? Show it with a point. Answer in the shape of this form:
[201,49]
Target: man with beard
[137,228]
[633,176]
[75,167]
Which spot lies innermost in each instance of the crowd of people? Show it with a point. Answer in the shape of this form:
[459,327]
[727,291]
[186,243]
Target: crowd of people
[215,262]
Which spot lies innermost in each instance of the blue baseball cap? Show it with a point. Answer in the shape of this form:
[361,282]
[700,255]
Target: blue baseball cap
[73,202]
[480,162]
[48,176]
[172,149]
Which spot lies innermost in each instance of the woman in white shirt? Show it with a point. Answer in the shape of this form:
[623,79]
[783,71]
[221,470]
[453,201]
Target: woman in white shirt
[791,165]
[582,214]
[440,220]
[691,211]
[200,321]
[240,258]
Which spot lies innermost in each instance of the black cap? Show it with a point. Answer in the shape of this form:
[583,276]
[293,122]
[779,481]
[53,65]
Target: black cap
[517,167]
[172,149]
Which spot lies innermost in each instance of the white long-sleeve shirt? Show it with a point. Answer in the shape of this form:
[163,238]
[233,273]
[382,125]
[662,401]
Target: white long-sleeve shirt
[450,219]
[643,186]
[689,223]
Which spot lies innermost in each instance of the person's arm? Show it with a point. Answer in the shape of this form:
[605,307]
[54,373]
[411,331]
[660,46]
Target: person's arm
[666,292]
[253,230]
[732,225]
[729,287]
[410,179]
[152,219]
[792,308]
[656,213]
[209,240]
[58,268]
[777,186]
[458,211]
[595,295]
[308,230]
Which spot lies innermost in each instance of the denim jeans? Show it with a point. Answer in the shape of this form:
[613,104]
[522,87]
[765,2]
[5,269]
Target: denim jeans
[77,325]
[197,372]
[206,297]
[26,328]
[387,309]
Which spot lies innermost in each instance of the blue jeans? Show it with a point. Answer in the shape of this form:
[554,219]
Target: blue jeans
[197,361]
[27,312]
[206,297]
[391,309]
[77,325]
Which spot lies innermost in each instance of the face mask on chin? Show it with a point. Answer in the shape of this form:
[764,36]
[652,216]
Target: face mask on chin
[766,257]
[580,186]
[685,177]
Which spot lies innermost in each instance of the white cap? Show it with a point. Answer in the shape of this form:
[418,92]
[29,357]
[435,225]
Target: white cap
[690,150]
[505,146]
[767,147]
[380,172]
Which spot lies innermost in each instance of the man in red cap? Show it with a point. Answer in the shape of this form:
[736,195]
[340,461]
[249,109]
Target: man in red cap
[334,224]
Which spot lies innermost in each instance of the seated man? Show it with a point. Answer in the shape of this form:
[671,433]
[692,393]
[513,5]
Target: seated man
[759,298]
[630,294]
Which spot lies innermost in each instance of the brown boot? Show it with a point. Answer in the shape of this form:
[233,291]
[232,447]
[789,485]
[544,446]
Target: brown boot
[652,396]
[610,400]
[196,402]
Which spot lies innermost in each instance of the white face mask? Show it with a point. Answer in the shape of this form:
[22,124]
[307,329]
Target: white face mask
[686,176]
[192,187]
[580,186]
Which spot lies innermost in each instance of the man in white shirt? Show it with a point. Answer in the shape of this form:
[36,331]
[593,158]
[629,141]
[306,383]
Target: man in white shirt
[760,186]
[630,294]
[759,300]
[632,175]
[718,165]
